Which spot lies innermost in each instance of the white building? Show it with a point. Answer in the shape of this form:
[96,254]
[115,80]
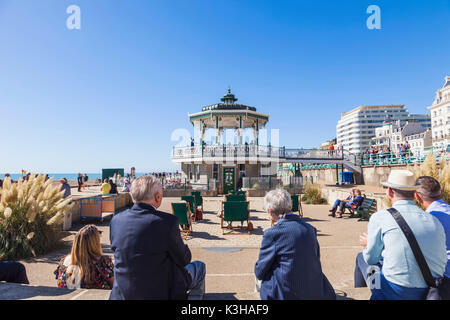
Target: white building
[393,134]
[419,142]
[440,117]
[356,128]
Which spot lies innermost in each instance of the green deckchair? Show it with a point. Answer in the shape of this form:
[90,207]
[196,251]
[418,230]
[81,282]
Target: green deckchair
[192,207]
[182,212]
[242,193]
[235,211]
[297,204]
[235,197]
[198,199]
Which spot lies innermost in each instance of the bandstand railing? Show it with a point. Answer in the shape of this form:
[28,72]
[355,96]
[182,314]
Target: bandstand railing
[227,151]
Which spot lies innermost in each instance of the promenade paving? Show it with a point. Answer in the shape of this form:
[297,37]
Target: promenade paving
[229,259]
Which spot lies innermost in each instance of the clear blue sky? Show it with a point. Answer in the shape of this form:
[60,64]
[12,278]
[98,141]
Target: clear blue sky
[110,94]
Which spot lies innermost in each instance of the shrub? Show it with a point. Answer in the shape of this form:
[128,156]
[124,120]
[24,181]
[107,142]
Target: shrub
[31,214]
[313,195]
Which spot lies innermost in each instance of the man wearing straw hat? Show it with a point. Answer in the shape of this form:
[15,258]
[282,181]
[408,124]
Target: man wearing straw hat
[387,264]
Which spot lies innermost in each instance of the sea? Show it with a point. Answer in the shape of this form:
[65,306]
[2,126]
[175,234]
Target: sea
[68,176]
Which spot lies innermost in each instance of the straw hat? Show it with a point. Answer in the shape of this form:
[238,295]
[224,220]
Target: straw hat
[401,180]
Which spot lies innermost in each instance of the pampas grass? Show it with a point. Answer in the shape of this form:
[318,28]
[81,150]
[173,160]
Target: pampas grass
[441,173]
[31,214]
[313,195]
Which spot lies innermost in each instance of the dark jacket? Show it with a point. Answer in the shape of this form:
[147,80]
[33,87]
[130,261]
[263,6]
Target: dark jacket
[149,255]
[289,263]
[356,201]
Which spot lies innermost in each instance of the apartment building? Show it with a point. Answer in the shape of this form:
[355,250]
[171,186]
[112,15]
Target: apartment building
[440,117]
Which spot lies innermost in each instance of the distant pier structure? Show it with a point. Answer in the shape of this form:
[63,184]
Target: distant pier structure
[223,164]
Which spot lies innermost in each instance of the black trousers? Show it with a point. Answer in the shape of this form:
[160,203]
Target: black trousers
[13,272]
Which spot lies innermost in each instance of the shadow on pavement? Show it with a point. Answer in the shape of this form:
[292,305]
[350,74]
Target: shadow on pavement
[306,219]
[205,235]
[341,295]
[12,291]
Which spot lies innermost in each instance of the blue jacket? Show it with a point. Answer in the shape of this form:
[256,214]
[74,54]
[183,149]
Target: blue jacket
[289,263]
[149,255]
[356,201]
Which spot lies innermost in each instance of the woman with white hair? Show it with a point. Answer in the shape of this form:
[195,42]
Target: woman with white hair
[289,260]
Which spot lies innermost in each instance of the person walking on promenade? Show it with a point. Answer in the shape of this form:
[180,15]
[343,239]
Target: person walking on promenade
[65,187]
[86,178]
[80,182]
[288,265]
[152,262]
[86,266]
[429,195]
[387,251]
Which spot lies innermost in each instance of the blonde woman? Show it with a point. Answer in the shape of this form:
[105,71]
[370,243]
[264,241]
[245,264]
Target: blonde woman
[86,266]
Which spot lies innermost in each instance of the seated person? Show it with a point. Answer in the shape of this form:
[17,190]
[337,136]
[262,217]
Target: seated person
[86,266]
[152,262]
[352,204]
[113,189]
[289,265]
[357,200]
[106,187]
[387,264]
[338,202]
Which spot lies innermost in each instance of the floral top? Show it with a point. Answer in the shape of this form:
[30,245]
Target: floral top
[103,270]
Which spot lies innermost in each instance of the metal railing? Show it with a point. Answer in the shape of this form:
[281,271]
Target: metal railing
[407,157]
[313,154]
[261,183]
[227,151]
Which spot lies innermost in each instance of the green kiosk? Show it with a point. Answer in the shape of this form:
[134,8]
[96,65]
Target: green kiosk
[109,173]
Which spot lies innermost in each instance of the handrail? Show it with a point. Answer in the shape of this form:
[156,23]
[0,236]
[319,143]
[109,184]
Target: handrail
[405,157]
[231,151]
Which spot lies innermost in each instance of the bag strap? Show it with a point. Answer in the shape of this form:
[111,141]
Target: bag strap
[426,273]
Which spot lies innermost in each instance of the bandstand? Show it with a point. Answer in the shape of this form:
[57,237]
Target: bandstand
[221,164]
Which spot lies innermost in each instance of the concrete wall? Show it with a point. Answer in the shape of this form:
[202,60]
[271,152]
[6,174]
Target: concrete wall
[371,175]
[374,175]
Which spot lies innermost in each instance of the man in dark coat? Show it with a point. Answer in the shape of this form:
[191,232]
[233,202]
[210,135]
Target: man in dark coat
[289,260]
[151,260]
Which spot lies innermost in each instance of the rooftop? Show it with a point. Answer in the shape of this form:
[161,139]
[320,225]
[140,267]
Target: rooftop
[228,100]
[393,106]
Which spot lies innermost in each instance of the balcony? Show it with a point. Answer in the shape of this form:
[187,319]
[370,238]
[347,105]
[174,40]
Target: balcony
[227,153]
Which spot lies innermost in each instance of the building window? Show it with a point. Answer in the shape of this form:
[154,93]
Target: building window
[216,171]
[241,169]
[190,172]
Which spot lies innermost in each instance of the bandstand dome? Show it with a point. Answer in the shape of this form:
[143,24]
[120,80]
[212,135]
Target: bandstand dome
[229,114]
